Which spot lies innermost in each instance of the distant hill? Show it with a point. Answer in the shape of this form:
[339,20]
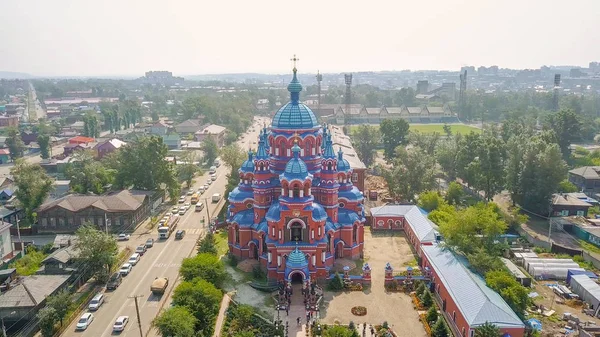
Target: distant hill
[12,75]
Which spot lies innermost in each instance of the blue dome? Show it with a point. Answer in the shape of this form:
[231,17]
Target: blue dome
[342,165]
[296,259]
[244,218]
[347,217]
[238,195]
[295,168]
[274,213]
[318,212]
[248,165]
[294,115]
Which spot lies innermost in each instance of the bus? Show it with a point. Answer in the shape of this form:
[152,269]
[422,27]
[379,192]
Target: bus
[195,198]
[166,229]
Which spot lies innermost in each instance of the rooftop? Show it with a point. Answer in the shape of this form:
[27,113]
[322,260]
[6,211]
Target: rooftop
[478,303]
[568,199]
[587,172]
[32,290]
[212,129]
[126,200]
[424,229]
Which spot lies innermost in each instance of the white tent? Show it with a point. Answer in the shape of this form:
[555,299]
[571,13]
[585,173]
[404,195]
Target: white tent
[587,289]
[551,273]
[527,261]
[551,265]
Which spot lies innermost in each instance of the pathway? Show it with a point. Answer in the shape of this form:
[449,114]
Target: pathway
[222,315]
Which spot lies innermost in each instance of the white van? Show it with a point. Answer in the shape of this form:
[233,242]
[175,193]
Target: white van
[96,302]
[216,197]
[199,207]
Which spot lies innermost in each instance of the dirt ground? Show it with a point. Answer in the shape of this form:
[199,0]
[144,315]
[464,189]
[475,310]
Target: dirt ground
[395,308]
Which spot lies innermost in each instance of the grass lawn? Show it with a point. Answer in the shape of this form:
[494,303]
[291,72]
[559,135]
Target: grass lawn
[221,242]
[439,128]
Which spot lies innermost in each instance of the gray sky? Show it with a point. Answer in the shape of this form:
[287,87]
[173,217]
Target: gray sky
[129,37]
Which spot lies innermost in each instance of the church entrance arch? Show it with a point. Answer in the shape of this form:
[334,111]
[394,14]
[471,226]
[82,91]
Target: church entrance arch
[253,250]
[339,250]
[297,276]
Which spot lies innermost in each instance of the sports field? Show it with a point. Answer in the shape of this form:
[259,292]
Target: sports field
[439,128]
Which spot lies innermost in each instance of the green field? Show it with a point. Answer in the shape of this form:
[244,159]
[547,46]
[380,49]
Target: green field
[439,128]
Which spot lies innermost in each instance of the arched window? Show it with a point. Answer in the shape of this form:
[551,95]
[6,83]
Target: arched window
[296,191]
[237,235]
[296,232]
[264,244]
[329,243]
[261,166]
[330,166]
[355,234]
[282,149]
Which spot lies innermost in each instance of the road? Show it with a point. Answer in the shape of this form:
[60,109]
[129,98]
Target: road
[164,260]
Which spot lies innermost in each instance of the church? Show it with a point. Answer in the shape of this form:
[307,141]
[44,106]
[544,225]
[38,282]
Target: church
[296,209]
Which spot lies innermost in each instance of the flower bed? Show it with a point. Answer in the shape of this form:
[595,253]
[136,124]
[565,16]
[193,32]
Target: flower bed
[358,311]
[417,302]
[354,287]
[423,319]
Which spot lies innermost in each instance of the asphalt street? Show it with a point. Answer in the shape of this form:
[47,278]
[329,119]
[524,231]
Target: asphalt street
[162,260]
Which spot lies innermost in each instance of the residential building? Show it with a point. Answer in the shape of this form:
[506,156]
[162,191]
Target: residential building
[159,128]
[415,114]
[4,156]
[6,182]
[190,126]
[586,178]
[10,215]
[29,137]
[6,121]
[172,141]
[464,298]
[109,146]
[6,245]
[114,211]
[6,195]
[81,140]
[61,261]
[216,132]
[71,148]
[570,204]
[295,209]
[22,301]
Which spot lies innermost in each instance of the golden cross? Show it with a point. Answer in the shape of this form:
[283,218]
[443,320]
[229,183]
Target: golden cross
[295,59]
[296,136]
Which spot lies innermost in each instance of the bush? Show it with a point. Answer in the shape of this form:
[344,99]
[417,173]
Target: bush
[233,260]
[385,325]
[432,315]
[30,263]
[420,289]
[440,329]
[426,299]
[207,244]
[336,283]
[258,273]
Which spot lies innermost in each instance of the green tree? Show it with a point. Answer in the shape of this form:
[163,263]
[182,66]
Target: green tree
[430,200]
[447,130]
[487,330]
[411,174]
[207,244]
[90,125]
[491,173]
[426,299]
[420,289]
[455,193]
[142,165]
[86,174]
[426,142]
[47,320]
[62,302]
[186,169]
[366,138]
[482,261]
[202,300]
[337,331]
[232,156]
[15,144]
[175,321]
[97,250]
[206,266]
[511,291]
[44,143]
[393,134]
[446,154]
[210,150]
[567,127]
[432,315]
[440,329]
[565,186]
[468,148]
[336,283]
[33,186]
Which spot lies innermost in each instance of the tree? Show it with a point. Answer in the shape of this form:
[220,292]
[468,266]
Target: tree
[207,244]
[366,138]
[426,142]
[47,320]
[447,130]
[426,299]
[516,295]
[467,150]
[186,169]
[336,283]
[455,193]
[393,134]
[206,266]
[337,331]
[565,186]
[446,154]
[90,125]
[210,150]
[33,186]
[420,289]
[232,156]
[432,315]
[15,144]
[142,165]
[86,174]
[567,127]
[202,300]
[97,250]
[62,302]
[483,262]
[440,329]
[490,160]
[44,143]
[175,321]
[412,173]
[487,330]
[430,200]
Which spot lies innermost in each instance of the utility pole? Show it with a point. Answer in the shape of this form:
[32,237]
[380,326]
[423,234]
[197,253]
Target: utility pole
[207,211]
[137,310]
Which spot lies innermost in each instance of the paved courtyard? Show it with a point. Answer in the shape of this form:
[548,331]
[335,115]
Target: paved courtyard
[395,308]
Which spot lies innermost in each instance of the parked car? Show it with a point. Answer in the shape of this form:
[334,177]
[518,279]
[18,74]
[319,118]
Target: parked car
[175,209]
[187,205]
[212,169]
[190,192]
[182,199]
[168,214]
[179,234]
[217,162]
[120,323]
[205,187]
[149,243]
[96,302]
[125,269]
[141,249]
[114,281]
[182,210]
[123,237]
[209,181]
[85,321]
[134,259]
[213,177]
[201,189]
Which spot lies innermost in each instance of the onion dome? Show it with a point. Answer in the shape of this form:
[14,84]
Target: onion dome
[328,150]
[294,115]
[295,168]
[342,164]
[248,165]
[296,259]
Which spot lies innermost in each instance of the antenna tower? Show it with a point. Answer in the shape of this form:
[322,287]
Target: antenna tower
[462,95]
[348,97]
[555,95]
[319,80]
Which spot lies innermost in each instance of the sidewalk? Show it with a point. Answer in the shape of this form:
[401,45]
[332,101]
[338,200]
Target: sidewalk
[222,315]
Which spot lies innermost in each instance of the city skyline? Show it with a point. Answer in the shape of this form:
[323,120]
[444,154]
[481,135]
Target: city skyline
[76,38]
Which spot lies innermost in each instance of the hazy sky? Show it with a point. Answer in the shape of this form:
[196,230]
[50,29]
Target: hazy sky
[129,37]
